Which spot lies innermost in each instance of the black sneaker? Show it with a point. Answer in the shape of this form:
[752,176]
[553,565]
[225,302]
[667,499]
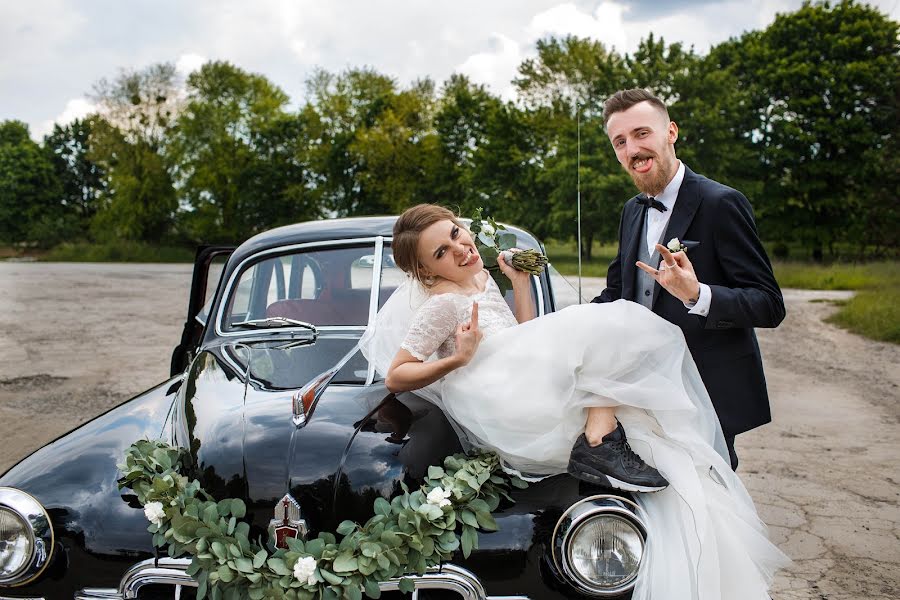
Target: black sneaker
[614,464]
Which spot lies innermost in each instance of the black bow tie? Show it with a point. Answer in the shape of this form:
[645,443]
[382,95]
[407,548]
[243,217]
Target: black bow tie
[651,202]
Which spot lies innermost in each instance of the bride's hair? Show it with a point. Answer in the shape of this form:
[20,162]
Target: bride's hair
[407,229]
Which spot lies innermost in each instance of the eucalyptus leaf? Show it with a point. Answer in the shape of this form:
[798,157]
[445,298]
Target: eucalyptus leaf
[330,577]
[259,559]
[372,589]
[468,540]
[486,521]
[407,585]
[352,592]
[238,508]
[277,565]
[218,548]
[225,574]
[382,507]
[315,547]
[347,527]
[345,563]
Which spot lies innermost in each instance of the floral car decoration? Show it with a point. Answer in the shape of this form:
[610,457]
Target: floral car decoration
[413,532]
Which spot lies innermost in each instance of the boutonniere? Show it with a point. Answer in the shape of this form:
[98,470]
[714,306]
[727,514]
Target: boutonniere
[675,245]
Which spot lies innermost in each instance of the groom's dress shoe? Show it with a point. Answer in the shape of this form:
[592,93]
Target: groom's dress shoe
[614,464]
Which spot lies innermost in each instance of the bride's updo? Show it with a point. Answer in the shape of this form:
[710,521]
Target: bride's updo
[407,229]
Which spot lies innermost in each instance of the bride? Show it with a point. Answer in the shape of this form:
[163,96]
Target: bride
[558,393]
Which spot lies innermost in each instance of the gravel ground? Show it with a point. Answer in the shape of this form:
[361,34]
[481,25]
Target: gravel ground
[78,339]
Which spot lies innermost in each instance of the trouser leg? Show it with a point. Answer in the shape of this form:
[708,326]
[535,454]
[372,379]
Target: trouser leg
[729,441]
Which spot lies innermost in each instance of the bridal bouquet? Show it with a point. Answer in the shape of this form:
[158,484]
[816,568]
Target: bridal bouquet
[492,240]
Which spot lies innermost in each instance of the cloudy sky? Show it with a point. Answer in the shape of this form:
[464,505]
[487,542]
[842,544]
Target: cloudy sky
[53,51]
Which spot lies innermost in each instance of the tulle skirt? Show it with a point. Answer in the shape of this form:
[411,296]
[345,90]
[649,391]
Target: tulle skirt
[526,392]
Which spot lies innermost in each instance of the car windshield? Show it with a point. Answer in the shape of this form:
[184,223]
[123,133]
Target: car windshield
[322,287]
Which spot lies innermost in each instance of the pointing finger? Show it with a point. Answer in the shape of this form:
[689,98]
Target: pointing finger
[666,255]
[647,268]
[474,321]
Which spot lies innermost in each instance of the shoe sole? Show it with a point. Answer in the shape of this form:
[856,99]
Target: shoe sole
[612,482]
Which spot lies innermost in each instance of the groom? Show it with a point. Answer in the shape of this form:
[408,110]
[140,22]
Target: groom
[717,290]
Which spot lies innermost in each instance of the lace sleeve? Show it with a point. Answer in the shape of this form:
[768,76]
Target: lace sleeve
[433,324]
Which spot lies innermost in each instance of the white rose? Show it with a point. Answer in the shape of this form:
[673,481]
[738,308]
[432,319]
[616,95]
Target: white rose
[674,245]
[305,570]
[154,512]
[438,497]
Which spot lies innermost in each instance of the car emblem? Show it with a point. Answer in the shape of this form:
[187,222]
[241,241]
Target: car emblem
[287,522]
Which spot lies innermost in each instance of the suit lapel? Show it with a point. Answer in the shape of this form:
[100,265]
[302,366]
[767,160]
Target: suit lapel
[632,228]
[683,212]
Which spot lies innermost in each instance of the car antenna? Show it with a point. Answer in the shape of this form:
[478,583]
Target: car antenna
[578,193]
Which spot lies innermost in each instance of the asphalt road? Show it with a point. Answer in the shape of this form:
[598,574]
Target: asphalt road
[77,339]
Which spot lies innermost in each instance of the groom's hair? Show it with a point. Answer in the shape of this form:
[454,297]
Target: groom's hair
[625,99]
[407,230]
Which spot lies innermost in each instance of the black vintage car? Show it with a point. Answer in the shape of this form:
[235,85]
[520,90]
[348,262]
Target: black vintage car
[277,406]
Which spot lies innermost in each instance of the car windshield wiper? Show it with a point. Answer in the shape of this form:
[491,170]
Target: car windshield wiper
[276,323]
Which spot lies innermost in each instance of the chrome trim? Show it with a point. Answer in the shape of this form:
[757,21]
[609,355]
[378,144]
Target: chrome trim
[319,383]
[172,571]
[220,314]
[580,512]
[40,530]
[22,598]
[375,297]
[166,571]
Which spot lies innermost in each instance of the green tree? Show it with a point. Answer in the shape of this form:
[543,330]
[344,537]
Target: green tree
[823,87]
[139,109]
[340,108]
[568,81]
[83,181]
[396,150]
[29,188]
[229,151]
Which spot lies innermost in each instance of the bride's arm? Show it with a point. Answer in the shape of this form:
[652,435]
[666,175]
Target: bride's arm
[407,372]
[523,298]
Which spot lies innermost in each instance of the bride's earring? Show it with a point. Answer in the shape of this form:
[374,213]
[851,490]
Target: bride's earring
[427,279]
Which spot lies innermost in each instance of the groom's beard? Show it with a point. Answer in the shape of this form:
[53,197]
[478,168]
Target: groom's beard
[654,181]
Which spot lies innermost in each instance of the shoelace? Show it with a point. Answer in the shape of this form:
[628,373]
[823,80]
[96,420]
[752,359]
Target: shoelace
[629,457]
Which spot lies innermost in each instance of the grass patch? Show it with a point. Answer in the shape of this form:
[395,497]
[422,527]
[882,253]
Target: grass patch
[873,313]
[119,251]
[837,276]
[564,256]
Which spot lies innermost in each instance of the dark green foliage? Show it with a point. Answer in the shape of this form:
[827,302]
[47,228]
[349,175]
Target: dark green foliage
[29,189]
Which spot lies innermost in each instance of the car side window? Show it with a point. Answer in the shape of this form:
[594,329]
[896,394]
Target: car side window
[325,287]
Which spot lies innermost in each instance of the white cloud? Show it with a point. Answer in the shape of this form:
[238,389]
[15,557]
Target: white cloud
[188,63]
[605,24]
[495,67]
[76,108]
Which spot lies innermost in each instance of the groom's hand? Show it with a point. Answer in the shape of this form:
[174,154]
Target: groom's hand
[675,274]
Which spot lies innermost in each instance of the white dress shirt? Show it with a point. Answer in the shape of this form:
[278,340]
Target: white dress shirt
[656,224]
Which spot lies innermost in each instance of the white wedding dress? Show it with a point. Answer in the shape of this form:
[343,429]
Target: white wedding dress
[525,395]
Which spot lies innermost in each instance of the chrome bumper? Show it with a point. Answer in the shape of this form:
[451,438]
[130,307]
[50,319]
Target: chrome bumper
[171,571]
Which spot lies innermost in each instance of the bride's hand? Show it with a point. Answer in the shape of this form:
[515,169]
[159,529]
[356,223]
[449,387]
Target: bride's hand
[515,276]
[468,336]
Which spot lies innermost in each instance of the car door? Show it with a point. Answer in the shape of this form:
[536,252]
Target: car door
[209,263]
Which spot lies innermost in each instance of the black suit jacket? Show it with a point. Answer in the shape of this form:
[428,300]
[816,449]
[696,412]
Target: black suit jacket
[730,259]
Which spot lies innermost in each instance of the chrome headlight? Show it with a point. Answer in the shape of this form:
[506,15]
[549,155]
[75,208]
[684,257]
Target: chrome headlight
[26,537]
[598,545]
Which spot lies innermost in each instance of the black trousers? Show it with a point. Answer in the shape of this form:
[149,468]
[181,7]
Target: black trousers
[729,441]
